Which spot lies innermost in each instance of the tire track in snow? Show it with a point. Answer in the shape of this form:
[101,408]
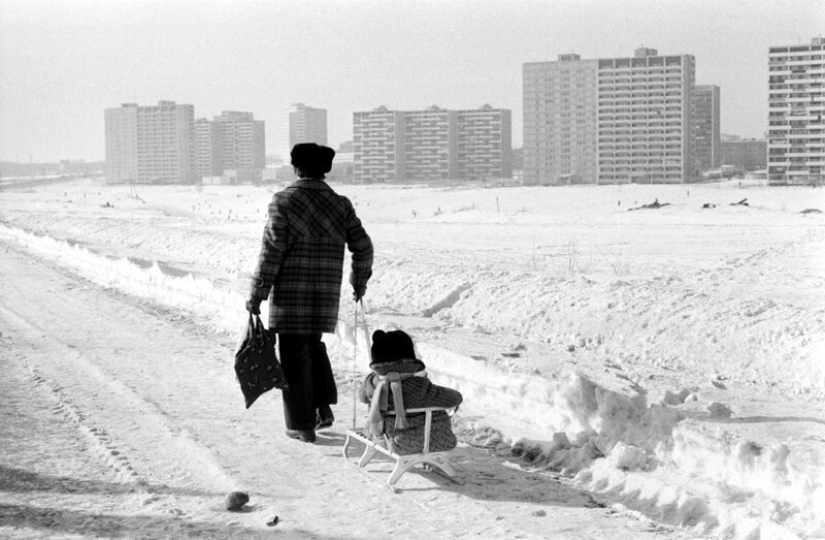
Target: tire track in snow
[88,410]
[98,440]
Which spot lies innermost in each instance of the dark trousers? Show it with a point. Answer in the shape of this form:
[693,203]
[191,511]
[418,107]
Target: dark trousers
[309,374]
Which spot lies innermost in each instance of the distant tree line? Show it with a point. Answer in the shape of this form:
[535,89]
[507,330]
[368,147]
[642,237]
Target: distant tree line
[65,167]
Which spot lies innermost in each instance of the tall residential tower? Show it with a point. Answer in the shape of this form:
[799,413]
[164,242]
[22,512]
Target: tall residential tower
[610,120]
[207,148]
[560,121]
[796,104]
[378,146]
[430,144]
[707,133]
[484,143]
[150,145]
[307,124]
[242,144]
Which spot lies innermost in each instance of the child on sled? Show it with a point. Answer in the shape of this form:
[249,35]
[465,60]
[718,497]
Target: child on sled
[399,382]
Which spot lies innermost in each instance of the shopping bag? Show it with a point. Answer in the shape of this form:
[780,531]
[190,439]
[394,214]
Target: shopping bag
[256,364]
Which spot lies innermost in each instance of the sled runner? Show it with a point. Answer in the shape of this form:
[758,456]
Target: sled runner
[438,462]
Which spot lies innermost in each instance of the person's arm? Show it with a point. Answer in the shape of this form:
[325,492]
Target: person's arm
[273,246]
[360,245]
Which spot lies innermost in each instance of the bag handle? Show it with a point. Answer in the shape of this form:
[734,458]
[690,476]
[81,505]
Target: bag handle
[255,330]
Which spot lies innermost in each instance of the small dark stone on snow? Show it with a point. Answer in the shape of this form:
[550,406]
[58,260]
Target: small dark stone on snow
[272,522]
[718,384]
[236,500]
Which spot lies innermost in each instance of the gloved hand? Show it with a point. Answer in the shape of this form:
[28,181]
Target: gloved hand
[358,294]
[253,306]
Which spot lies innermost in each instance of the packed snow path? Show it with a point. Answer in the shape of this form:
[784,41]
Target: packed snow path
[122,419]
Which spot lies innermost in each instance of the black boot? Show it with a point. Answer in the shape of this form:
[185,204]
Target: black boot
[324,417]
[303,435]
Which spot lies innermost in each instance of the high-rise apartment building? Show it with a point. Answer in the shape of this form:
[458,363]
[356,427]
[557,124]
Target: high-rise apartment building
[610,120]
[432,144]
[378,146]
[121,144]
[484,143]
[560,120]
[207,148]
[307,124]
[707,132]
[243,145]
[796,104]
[150,145]
[646,118]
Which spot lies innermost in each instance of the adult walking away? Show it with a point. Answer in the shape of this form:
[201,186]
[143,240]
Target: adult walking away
[299,271]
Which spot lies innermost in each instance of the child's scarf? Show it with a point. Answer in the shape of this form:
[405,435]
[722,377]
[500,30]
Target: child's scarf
[380,402]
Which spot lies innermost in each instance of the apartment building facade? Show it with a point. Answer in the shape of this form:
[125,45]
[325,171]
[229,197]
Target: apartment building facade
[611,120]
[560,121]
[484,143]
[242,144]
[707,131]
[646,118]
[207,148]
[150,144]
[796,104]
[378,146]
[233,144]
[307,124]
[121,144]
[431,144]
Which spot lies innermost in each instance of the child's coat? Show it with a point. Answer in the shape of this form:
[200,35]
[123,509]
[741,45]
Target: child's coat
[418,392]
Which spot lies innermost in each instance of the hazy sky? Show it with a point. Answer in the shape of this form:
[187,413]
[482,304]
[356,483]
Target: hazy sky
[63,63]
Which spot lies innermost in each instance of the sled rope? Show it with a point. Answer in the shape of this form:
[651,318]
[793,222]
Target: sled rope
[355,354]
[355,364]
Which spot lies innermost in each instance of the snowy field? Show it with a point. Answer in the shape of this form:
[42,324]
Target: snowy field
[669,360]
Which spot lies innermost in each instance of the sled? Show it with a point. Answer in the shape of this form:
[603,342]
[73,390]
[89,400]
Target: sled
[438,462]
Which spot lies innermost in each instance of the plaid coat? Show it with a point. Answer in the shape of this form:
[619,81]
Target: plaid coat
[301,263]
[418,393]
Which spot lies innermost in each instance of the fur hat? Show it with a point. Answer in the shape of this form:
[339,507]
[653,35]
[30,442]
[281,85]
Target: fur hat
[391,346]
[313,159]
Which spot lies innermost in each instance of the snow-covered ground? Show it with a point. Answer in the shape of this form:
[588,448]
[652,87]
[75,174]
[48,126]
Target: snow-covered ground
[668,360]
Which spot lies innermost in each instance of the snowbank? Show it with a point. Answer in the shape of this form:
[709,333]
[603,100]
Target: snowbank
[657,457]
